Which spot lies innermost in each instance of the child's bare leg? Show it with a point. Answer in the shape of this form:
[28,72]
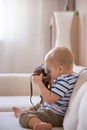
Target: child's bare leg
[37,124]
[16,111]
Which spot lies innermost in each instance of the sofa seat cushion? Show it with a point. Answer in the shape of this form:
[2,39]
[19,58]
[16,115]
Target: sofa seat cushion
[7,102]
[9,122]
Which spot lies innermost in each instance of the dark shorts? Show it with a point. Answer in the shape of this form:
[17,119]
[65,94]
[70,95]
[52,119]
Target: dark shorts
[44,115]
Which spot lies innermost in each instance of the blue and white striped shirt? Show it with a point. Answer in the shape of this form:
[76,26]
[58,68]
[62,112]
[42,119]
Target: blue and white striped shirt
[62,86]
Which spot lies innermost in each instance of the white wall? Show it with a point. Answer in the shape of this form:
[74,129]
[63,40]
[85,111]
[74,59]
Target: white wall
[24,43]
[24,33]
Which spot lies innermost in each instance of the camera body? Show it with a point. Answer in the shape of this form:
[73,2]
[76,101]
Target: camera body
[46,77]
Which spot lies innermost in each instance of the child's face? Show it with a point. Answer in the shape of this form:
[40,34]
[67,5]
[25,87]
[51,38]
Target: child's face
[54,72]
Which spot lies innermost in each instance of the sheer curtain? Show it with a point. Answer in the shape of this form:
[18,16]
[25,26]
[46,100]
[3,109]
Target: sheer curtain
[24,33]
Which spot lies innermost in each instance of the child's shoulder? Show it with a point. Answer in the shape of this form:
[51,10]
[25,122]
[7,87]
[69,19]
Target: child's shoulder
[67,77]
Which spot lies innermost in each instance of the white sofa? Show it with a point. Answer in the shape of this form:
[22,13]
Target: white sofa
[15,91]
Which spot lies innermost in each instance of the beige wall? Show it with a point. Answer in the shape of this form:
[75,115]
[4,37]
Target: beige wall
[81,7]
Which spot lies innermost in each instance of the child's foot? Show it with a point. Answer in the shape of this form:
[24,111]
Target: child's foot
[16,111]
[42,126]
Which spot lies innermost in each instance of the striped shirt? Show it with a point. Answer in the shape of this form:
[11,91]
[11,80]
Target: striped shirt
[62,86]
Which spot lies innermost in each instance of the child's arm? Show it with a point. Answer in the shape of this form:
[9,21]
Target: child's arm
[47,95]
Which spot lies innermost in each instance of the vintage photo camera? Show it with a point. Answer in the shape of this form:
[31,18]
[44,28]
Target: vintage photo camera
[46,77]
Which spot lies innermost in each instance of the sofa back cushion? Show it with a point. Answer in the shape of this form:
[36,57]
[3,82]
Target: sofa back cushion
[71,117]
[82,123]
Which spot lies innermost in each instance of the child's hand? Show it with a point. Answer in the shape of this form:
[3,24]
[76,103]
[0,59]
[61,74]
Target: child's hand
[37,78]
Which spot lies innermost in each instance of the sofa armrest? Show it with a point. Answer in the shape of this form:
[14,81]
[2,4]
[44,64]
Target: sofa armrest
[16,85]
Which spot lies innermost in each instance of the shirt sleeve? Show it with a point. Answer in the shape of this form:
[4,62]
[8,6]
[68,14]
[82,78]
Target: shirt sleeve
[60,88]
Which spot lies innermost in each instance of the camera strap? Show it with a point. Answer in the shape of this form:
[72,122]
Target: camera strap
[31,94]
[31,90]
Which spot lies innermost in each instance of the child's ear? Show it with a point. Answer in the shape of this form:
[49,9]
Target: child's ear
[61,68]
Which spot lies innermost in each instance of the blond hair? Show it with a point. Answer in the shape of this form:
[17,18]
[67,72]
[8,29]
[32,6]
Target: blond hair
[60,55]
